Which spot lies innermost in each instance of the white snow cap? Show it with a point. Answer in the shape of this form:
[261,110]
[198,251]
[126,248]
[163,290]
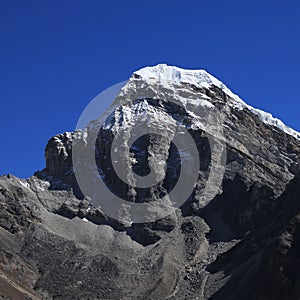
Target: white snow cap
[200,78]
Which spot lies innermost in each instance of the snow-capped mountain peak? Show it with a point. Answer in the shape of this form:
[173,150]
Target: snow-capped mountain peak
[202,79]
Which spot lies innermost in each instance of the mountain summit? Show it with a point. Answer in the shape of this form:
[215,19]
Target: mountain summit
[202,79]
[198,200]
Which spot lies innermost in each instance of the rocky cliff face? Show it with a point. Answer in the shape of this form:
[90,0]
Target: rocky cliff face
[237,240]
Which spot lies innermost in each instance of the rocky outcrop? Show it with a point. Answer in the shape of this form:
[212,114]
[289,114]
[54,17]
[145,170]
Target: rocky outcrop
[265,262]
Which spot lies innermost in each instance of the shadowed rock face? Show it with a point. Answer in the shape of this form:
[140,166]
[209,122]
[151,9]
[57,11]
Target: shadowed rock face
[244,244]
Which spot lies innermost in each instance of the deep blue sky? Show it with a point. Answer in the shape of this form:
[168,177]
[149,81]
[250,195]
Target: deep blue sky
[56,56]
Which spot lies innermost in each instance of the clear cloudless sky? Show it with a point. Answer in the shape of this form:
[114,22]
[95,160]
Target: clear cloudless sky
[56,56]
